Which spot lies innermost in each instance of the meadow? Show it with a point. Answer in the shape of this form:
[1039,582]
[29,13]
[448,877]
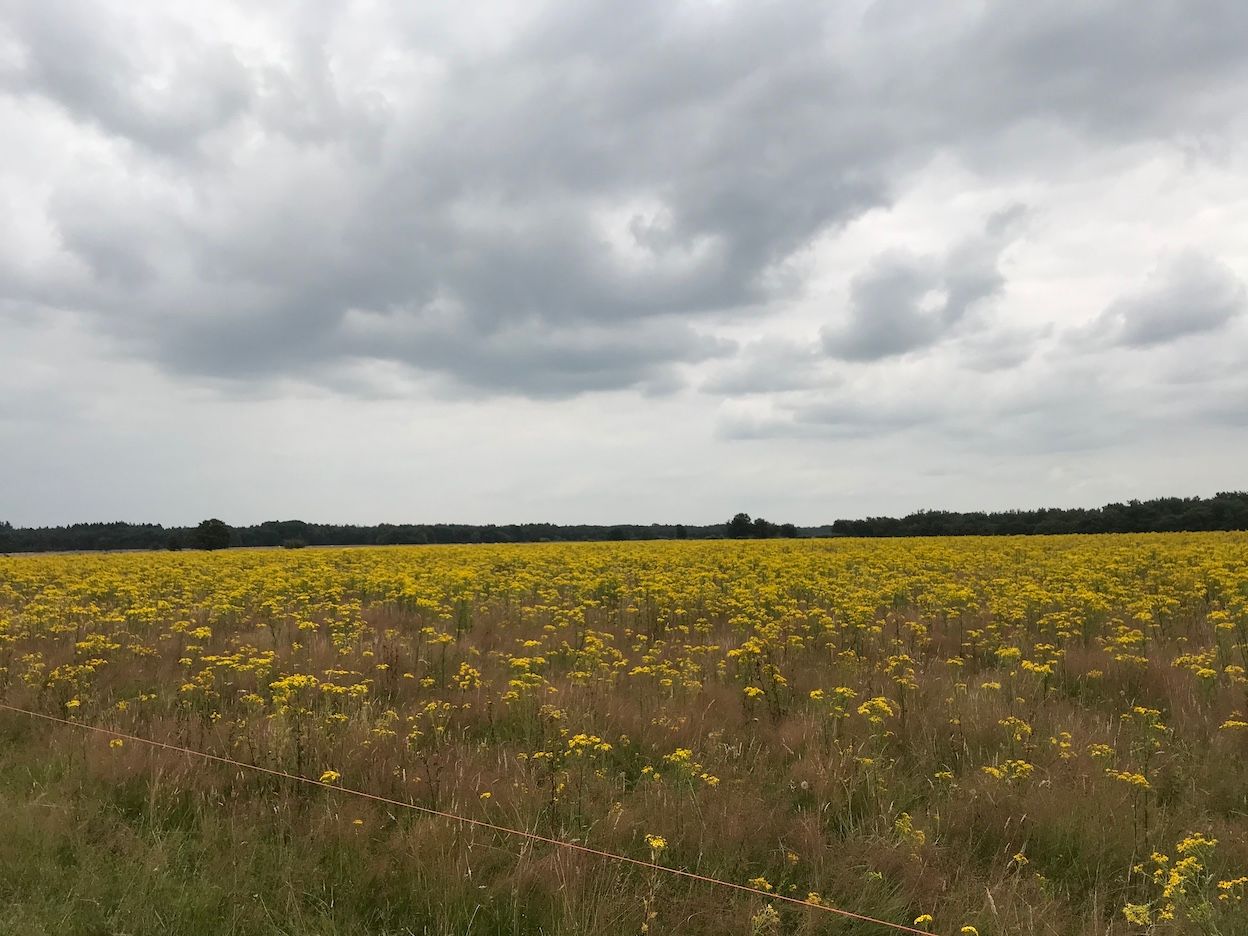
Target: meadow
[1041,735]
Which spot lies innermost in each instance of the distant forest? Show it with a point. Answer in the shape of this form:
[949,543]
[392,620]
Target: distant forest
[1223,511]
[297,533]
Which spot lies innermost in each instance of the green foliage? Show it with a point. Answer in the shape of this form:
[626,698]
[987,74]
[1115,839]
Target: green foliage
[212,534]
[1227,510]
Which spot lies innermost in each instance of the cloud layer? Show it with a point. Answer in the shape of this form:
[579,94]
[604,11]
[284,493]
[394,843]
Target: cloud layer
[794,221]
[1191,295]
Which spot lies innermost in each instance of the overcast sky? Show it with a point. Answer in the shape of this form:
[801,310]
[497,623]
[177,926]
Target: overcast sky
[359,260]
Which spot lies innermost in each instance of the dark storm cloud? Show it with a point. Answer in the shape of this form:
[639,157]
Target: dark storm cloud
[1191,295]
[553,213]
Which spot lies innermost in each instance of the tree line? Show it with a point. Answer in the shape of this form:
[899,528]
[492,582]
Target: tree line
[1223,511]
[215,534]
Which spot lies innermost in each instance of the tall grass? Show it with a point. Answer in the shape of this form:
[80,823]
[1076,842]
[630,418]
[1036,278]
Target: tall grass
[985,764]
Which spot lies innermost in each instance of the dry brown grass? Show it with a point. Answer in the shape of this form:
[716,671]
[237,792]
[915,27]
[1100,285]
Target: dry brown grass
[810,800]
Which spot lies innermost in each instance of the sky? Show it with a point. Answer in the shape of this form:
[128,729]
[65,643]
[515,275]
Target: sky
[365,261]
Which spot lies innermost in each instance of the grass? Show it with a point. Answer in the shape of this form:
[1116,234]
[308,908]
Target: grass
[1021,725]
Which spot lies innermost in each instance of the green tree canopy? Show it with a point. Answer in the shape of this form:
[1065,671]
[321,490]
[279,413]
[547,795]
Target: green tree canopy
[212,534]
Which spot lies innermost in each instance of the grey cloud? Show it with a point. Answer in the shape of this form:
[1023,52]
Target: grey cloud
[904,303]
[769,366]
[1062,409]
[850,418]
[1229,407]
[843,415]
[92,62]
[1191,295]
[533,358]
[1054,407]
[1112,69]
[889,313]
[1049,403]
[586,176]
[1002,347]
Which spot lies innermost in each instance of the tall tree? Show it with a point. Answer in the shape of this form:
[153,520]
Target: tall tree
[212,534]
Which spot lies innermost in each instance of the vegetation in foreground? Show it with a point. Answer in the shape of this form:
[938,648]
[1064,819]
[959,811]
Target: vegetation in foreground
[1023,736]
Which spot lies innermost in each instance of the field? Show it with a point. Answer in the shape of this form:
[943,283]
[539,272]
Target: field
[1020,736]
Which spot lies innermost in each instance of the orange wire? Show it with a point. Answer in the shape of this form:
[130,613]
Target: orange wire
[480,823]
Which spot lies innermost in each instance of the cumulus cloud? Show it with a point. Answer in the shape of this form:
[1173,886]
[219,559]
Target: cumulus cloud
[897,305]
[1190,295]
[164,87]
[264,179]
[904,303]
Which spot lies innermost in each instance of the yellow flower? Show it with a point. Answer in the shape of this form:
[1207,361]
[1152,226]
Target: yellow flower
[656,842]
[331,776]
[1137,914]
[116,743]
[875,710]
